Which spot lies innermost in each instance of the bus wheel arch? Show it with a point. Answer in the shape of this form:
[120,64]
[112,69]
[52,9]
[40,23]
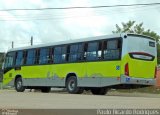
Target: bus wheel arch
[18,83]
[71,83]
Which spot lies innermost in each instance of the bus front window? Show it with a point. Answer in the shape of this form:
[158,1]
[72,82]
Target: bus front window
[9,60]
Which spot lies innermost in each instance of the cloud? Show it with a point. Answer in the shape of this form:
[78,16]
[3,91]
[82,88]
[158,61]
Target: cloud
[57,25]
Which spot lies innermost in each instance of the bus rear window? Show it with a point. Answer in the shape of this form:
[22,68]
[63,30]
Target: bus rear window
[142,45]
[141,56]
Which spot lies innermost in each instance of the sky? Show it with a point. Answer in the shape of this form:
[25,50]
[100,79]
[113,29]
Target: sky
[48,26]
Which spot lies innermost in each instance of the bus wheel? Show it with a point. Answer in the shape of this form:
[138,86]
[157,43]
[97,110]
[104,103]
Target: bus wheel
[45,89]
[71,86]
[99,91]
[19,85]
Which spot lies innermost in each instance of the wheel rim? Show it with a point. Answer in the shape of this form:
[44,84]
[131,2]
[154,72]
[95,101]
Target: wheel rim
[71,85]
[19,84]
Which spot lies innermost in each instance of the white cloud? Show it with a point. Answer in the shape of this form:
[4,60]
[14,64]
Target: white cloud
[68,24]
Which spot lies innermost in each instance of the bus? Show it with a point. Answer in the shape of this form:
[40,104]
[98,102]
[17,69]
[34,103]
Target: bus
[96,64]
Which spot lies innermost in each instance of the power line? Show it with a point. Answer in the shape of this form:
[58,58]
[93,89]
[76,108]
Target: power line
[83,7]
[58,14]
[58,17]
[45,17]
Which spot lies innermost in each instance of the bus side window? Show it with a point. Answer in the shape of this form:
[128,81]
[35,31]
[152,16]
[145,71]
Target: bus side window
[73,53]
[92,51]
[100,51]
[31,57]
[60,53]
[111,50]
[80,51]
[9,60]
[44,56]
[64,54]
[76,52]
[51,55]
[19,58]
[25,57]
[37,54]
[57,54]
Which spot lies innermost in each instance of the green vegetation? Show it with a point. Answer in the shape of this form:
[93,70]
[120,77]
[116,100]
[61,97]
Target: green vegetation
[151,89]
[132,27]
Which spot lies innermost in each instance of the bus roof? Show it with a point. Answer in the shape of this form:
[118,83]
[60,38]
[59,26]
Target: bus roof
[139,35]
[77,40]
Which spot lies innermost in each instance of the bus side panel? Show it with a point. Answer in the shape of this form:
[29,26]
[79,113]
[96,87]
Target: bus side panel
[50,75]
[90,74]
[45,75]
[40,71]
[62,70]
[37,75]
[102,74]
[8,78]
[103,69]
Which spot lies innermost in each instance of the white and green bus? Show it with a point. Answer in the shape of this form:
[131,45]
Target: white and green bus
[96,64]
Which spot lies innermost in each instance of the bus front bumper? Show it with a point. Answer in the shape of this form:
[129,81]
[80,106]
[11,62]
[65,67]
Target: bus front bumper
[139,81]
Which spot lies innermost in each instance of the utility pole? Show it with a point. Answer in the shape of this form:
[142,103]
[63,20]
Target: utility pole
[31,40]
[12,44]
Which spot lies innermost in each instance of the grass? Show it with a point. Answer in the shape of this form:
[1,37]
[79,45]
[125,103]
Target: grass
[151,89]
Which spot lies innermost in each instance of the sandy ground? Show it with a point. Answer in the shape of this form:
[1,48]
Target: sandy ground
[62,100]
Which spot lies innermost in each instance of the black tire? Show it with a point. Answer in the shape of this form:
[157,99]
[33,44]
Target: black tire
[45,89]
[71,86]
[99,91]
[19,85]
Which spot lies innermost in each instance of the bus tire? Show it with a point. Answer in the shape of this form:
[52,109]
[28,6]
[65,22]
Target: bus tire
[45,89]
[19,85]
[99,91]
[71,86]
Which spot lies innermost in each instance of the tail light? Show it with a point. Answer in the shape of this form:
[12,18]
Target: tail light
[155,73]
[127,69]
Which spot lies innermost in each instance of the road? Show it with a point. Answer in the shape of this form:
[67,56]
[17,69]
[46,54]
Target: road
[61,100]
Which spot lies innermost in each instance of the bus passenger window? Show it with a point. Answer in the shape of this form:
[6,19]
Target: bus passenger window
[51,54]
[63,54]
[44,56]
[31,57]
[111,50]
[100,51]
[19,58]
[73,53]
[9,60]
[76,52]
[60,54]
[92,51]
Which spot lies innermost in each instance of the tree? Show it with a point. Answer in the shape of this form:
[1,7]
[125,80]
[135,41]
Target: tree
[132,27]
